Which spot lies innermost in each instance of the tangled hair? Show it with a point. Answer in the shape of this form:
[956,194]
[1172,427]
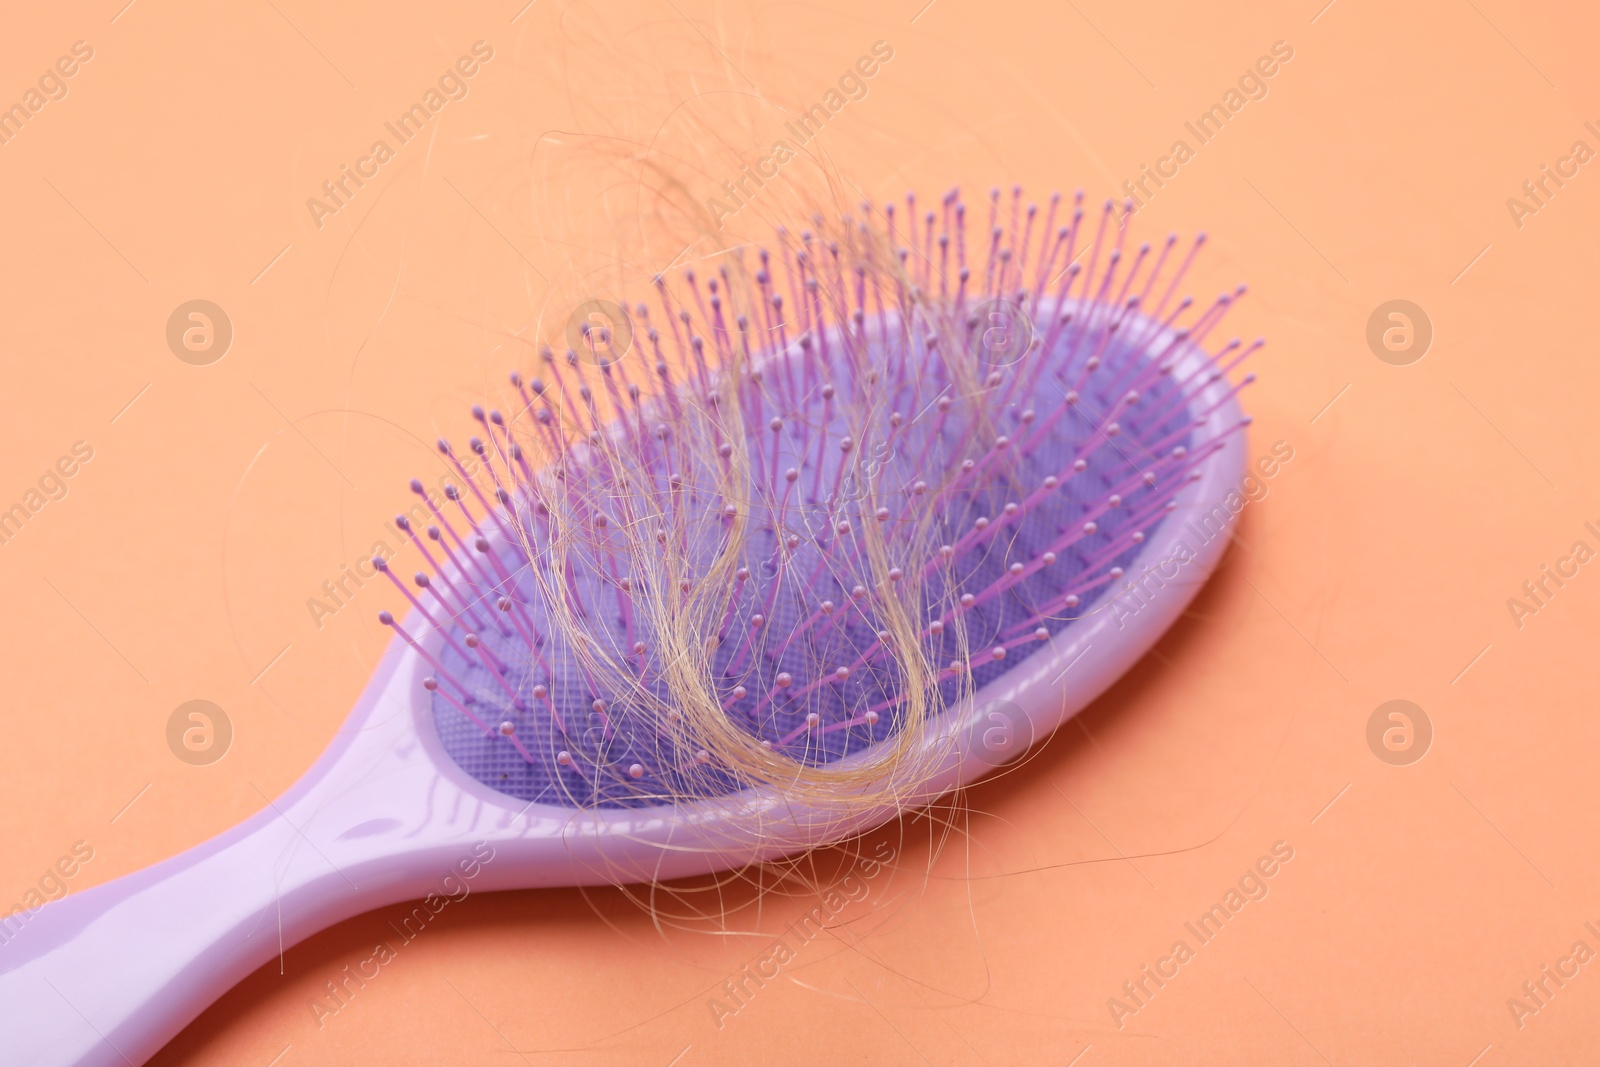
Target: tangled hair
[756,542]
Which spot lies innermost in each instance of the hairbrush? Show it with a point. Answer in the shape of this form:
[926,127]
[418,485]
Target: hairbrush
[836,527]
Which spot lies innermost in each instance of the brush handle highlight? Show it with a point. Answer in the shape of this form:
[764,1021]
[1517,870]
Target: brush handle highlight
[106,977]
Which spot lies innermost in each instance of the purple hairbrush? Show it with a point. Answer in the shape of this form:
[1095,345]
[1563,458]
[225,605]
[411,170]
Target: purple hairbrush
[817,539]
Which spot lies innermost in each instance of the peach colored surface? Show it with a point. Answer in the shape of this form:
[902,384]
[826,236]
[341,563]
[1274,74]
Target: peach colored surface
[1420,498]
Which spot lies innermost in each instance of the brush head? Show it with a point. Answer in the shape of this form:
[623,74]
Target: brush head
[833,494]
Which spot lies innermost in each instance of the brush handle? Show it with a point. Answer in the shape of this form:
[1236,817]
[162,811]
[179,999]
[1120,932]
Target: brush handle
[106,977]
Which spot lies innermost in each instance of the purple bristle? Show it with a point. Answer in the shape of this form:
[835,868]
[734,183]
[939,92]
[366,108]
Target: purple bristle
[888,438]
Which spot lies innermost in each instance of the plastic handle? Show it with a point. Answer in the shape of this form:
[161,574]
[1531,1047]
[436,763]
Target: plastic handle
[106,977]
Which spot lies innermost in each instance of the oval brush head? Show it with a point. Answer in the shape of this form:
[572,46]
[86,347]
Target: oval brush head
[827,493]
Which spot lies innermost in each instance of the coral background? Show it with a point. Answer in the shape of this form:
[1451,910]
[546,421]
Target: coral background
[1378,567]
